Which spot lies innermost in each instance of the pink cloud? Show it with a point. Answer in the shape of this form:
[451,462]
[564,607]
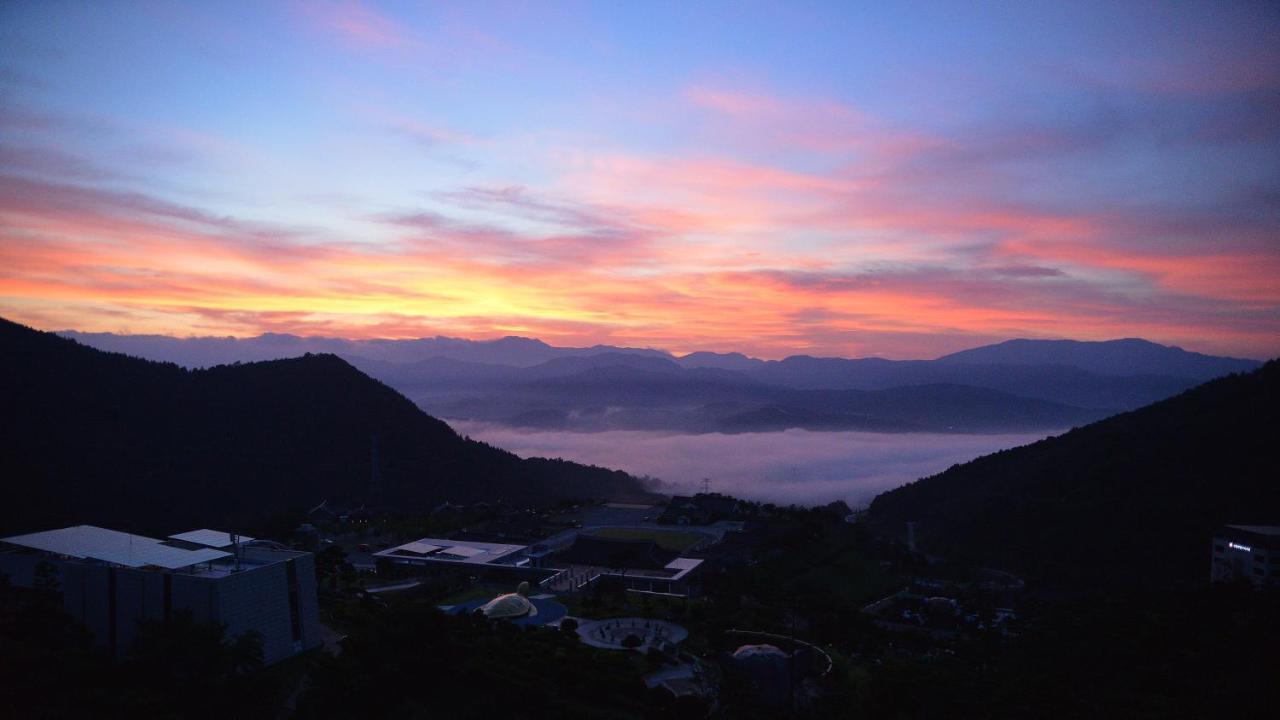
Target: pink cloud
[819,126]
[358,25]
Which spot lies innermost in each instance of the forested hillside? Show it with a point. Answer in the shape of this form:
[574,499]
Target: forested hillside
[101,438]
[1130,500]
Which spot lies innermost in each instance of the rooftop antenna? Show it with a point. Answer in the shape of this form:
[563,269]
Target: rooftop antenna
[706,486]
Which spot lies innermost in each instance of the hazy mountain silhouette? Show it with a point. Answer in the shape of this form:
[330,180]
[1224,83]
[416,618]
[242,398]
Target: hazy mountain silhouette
[705,400]
[1128,501]
[1112,357]
[1024,384]
[721,361]
[197,352]
[1053,383]
[95,437]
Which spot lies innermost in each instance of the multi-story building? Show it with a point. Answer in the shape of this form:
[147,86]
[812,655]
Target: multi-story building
[111,580]
[639,565]
[1247,552]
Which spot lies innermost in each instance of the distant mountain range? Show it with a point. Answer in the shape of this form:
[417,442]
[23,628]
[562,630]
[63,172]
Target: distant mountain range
[96,437]
[1019,385]
[1128,502]
[209,351]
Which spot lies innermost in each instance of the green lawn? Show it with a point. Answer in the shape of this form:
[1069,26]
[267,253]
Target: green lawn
[668,539]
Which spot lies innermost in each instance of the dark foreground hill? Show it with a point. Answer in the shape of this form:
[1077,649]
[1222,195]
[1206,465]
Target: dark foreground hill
[95,437]
[1128,501]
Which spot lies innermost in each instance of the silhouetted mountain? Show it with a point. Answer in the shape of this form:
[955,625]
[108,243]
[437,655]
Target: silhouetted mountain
[710,400]
[435,372]
[1129,356]
[198,352]
[722,361]
[512,380]
[95,437]
[563,367]
[1053,383]
[1128,501]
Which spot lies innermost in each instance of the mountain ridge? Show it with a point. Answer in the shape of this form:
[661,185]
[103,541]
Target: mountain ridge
[583,389]
[1125,502]
[110,439]
[1105,357]
[443,345]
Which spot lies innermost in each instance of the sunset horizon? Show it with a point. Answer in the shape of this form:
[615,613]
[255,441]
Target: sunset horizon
[585,359]
[961,343]
[902,183]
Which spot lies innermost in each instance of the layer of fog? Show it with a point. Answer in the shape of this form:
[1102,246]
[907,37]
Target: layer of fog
[795,466]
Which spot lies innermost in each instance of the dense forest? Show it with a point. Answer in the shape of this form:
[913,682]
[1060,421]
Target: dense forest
[102,438]
[1128,501]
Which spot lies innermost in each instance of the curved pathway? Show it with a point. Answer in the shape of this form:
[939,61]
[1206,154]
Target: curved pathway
[609,634]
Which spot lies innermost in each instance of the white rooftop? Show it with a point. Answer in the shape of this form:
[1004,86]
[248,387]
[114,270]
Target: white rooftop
[464,551]
[683,566]
[419,548]
[209,538]
[680,567]
[457,551]
[112,546]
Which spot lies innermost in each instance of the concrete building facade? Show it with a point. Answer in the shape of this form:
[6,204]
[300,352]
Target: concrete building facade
[110,591]
[1246,552]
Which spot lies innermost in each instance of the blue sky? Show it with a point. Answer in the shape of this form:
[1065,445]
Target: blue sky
[898,179]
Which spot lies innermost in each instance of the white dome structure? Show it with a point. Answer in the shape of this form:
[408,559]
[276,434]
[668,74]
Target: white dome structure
[510,606]
[768,668]
[751,652]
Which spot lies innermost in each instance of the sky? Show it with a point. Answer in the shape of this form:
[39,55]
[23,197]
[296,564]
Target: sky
[893,179]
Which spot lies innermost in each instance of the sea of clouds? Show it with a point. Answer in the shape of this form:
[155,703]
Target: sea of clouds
[795,466]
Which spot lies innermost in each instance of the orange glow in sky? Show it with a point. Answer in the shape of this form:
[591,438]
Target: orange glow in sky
[362,171]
